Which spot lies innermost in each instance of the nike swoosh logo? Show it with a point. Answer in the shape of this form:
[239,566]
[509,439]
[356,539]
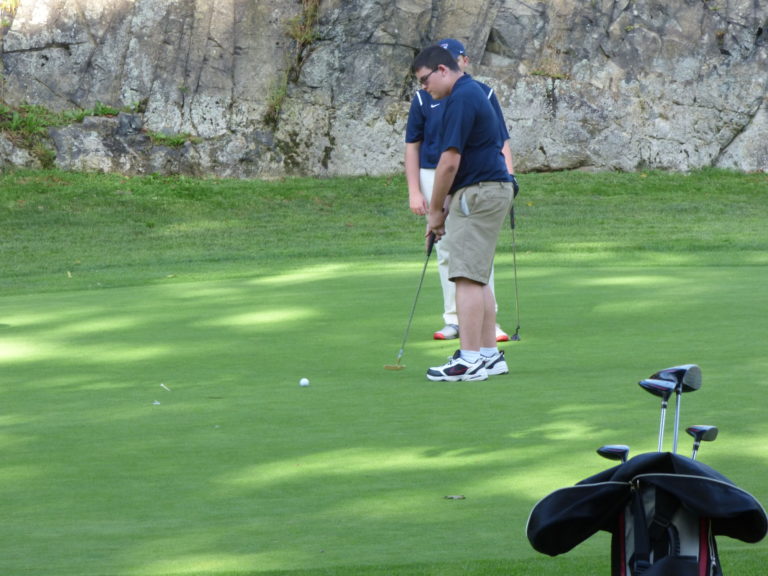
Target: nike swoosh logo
[434,105]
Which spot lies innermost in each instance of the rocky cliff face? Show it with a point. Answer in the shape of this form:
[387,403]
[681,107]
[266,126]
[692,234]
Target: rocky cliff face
[271,88]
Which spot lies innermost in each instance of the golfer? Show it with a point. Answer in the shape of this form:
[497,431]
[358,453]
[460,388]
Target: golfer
[421,157]
[473,172]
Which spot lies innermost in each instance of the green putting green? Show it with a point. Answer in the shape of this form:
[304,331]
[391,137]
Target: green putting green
[156,426]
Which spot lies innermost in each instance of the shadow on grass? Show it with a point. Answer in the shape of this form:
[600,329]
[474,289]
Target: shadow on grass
[161,429]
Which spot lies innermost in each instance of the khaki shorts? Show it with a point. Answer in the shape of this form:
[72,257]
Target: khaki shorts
[472,228]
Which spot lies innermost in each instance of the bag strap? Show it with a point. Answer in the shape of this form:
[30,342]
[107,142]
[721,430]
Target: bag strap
[640,561]
[659,535]
[664,537]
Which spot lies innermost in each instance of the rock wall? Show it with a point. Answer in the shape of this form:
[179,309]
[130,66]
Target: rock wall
[604,84]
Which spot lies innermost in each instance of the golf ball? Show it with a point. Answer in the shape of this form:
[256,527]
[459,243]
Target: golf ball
[304,382]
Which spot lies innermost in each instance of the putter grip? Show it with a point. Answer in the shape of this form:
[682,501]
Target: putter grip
[430,243]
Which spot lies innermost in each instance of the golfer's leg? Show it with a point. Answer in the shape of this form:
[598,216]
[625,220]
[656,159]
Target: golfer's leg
[427,182]
[449,288]
[471,306]
[488,331]
[493,287]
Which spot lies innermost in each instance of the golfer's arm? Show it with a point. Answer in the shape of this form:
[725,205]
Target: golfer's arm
[413,178]
[507,152]
[444,176]
[412,166]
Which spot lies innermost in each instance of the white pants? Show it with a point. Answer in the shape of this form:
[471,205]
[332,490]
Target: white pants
[427,182]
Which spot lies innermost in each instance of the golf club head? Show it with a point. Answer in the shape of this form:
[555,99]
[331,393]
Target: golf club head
[657,387]
[687,377]
[703,433]
[614,452]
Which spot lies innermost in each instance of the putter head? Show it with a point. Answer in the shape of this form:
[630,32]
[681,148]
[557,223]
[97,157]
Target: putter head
[614,451]
[657,387]
[394,367]
[703,433]
[687,377]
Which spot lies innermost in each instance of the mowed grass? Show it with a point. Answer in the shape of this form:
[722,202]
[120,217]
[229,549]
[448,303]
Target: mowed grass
[153,332]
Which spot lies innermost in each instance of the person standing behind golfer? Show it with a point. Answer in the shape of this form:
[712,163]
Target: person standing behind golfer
[421,156]
[472,170]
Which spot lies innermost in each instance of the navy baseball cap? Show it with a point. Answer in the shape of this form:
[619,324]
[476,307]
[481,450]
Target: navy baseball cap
[453,46]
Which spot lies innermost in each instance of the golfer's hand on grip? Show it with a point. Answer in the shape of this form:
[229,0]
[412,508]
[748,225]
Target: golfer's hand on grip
[436,223]
[430,243]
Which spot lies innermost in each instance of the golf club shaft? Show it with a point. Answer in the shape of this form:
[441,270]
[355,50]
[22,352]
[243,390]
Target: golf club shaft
[514,268]
[695,450]
[678,394]
[662,422]
[430,245]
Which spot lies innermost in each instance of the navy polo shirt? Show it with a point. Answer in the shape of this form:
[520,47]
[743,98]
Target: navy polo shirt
[471,126]
[425,118]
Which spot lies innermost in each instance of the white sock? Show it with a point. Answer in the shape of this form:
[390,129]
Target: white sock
[489,352]
[470,356]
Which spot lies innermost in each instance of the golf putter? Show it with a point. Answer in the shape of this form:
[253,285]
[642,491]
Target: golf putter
[397,365]
[687,378]
[516,335]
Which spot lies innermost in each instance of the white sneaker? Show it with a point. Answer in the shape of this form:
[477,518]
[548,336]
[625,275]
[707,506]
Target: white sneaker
[448,332]
[501,336]
[458,370]
[496,364]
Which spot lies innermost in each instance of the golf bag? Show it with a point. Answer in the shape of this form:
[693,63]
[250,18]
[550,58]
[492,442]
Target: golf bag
[657,535]
[663,512]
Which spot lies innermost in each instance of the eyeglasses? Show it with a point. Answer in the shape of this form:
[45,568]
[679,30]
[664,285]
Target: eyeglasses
[424,79]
